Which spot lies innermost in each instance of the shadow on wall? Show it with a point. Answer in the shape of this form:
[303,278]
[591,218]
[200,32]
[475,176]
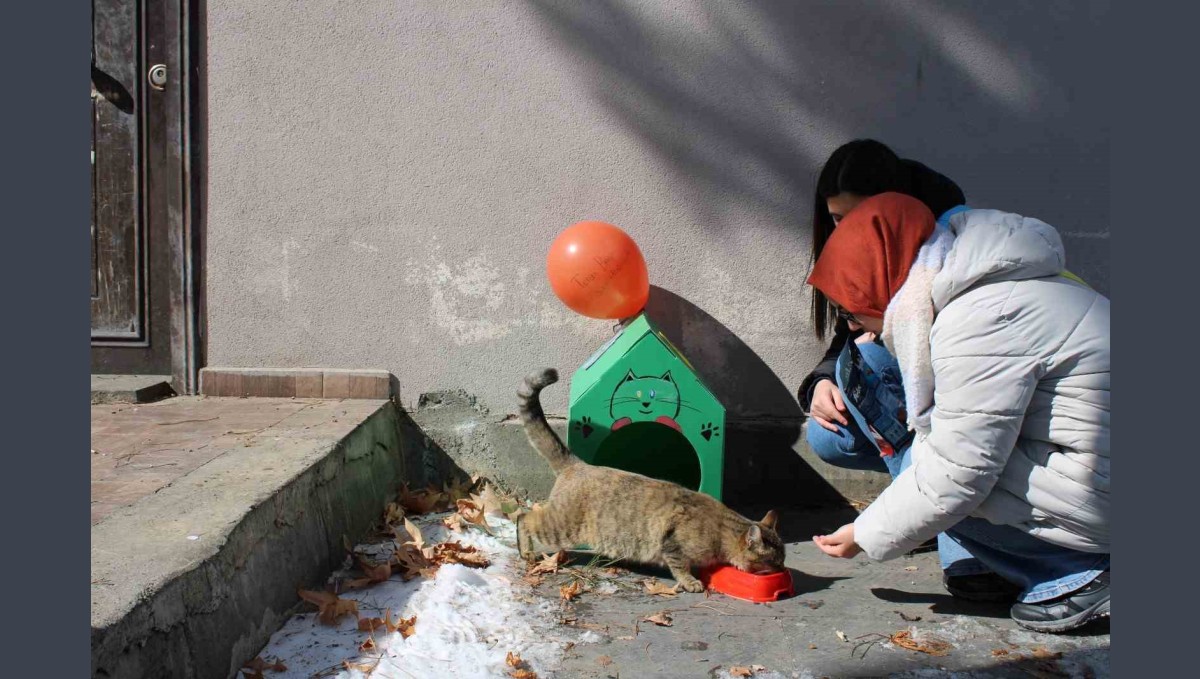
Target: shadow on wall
[426,463]
[762,469]
[746,100]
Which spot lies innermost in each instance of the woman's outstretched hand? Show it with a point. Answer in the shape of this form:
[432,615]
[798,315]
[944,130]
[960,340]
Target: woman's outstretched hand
[827,406]
[840,544]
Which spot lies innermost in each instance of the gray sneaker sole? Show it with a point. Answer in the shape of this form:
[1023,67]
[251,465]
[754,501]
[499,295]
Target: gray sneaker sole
[1096,612]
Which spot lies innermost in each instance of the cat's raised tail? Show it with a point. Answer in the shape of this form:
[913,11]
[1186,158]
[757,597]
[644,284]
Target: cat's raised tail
[540,435]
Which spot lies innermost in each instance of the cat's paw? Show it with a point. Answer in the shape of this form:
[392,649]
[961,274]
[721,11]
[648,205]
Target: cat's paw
[708,431]
[690,585]
[584,425]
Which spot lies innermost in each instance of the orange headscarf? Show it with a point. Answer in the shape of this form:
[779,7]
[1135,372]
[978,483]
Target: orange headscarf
[868,257]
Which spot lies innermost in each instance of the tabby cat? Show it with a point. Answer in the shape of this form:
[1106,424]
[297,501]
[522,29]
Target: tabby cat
[629,516]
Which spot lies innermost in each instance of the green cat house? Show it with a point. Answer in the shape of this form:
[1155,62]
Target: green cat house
[637,404]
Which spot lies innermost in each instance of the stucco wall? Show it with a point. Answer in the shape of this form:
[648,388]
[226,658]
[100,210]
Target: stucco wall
[384,178]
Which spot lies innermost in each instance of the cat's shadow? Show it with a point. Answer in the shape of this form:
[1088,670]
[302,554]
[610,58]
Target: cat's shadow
[802,583]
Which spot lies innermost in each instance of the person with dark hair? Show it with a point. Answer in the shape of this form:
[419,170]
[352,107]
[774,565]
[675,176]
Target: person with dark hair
[854,172]
[1009,456]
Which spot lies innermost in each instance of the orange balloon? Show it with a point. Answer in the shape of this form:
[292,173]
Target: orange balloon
[597,270]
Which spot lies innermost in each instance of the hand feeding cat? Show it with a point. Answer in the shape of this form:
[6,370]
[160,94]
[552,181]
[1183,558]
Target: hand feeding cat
[629,516]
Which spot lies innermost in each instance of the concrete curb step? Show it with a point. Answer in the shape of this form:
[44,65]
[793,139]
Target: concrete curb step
[130,388]
[192,580]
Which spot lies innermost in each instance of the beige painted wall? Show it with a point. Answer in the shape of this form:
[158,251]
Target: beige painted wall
[384,177]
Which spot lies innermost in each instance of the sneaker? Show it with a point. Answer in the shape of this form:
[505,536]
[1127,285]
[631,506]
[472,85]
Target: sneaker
[1067,611]
[981,587]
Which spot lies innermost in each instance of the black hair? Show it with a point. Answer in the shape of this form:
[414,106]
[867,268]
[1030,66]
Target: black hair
[867,168]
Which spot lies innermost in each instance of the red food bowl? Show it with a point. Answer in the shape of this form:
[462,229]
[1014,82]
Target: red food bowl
[748,586]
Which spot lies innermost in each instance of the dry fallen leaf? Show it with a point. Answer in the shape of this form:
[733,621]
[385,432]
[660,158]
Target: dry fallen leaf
[367,646]
[568,592]
[489,501]
[370,624]
[661,618]
[374,574]
[473,514]
[520,667]
[930,645]
[1042,653]
[422,501]
[740,671]
[258,665]
[614,571]
[841,635]
[411,561]
[254,668]
[549,563]
[455,523]
[455,552]
[330,607]
[1000,651]
[414,532]
[654,587]
[394,514]
[365,668]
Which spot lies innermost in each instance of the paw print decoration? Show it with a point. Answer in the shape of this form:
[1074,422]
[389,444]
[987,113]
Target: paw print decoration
[708,431]
[584,425]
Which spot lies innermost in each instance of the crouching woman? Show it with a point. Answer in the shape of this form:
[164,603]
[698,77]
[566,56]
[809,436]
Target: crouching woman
[1011,455]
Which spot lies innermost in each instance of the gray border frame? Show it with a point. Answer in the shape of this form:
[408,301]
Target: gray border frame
[46,275]
[1154,233]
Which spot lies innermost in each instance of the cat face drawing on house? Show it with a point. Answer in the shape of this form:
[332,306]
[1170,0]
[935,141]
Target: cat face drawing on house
[654,399]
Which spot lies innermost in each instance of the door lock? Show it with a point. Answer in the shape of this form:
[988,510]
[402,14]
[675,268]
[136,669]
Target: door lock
[157,76]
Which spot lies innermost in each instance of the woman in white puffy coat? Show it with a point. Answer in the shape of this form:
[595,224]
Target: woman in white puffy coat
[1005,367]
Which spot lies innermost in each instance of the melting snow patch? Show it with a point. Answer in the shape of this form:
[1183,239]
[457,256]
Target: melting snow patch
[468,620]
[590,637]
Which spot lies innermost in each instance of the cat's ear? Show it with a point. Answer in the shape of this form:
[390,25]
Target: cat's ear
[753,536]
[770,520]
[667,377]
[629,376]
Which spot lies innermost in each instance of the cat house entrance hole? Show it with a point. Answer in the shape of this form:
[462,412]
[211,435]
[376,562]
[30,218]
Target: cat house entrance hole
[651,449]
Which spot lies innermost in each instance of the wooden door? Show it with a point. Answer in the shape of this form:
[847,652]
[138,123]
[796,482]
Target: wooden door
[143,291]
[118,225]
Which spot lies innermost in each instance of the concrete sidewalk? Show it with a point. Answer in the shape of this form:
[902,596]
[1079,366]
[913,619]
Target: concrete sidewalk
[798,637]
[209,513]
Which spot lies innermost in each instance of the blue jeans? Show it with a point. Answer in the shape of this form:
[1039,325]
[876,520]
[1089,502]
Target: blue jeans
[973,546]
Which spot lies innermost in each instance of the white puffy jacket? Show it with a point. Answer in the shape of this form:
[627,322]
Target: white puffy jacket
[1019,433]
